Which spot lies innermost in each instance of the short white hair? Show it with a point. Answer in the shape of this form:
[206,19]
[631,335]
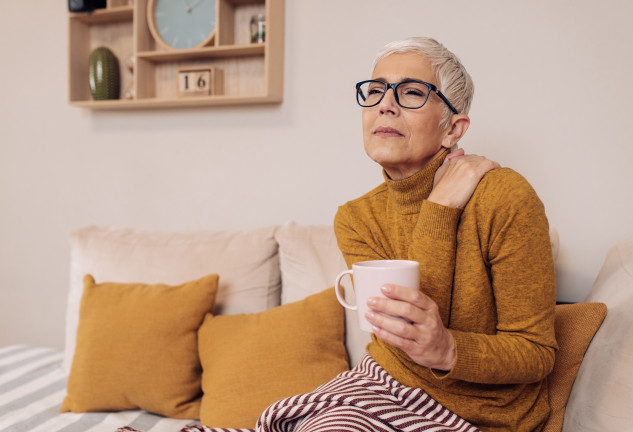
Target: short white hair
[454,81]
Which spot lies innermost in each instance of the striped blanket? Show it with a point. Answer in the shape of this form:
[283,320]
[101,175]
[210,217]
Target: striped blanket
[364,399]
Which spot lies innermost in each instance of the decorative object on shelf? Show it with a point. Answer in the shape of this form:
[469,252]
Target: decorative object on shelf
[130,93]
[258,28]
[199,81]
[85,5]
[182,24]
[105,77]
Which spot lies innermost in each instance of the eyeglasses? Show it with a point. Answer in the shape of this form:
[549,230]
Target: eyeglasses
[410,94]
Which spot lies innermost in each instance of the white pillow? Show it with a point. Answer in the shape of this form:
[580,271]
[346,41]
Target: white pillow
[246,261]
[601,398]
[310,260]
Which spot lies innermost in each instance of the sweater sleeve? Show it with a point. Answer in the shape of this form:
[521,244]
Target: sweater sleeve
[433,244]
[514,235]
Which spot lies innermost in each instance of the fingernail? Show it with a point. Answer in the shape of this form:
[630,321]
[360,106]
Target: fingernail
[386,288]
[371,301]
[370,316]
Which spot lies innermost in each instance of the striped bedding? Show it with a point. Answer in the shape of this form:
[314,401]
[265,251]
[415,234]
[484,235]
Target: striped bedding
[32,387]
[365,399]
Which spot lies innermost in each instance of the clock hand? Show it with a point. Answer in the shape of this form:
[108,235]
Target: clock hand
[195,4]
[187,7]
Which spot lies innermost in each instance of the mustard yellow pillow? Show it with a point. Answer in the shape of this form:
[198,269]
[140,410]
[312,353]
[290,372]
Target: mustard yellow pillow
[251,361]
[137,347]
[575,326]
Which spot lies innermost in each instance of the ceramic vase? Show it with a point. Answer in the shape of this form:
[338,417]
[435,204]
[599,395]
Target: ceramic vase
[105,76]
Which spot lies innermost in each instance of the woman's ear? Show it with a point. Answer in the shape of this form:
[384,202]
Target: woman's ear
[456,129]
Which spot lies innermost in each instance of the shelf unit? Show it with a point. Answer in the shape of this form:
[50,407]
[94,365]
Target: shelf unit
[253,72]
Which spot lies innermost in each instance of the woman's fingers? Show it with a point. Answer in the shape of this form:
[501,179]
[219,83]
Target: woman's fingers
[454,154]
[457,179]
[402,302]
[410,320]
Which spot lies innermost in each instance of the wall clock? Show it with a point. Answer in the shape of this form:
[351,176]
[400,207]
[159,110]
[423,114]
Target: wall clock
[182,24]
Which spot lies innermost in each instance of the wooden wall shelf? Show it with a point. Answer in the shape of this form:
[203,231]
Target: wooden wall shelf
[252,72]
[209,52]
[108,15]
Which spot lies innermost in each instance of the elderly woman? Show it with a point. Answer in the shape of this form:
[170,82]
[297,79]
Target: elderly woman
[478,336]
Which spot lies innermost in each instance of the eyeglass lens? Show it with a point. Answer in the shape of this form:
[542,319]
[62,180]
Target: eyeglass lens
[409,94]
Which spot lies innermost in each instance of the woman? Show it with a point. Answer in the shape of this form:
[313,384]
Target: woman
[481,339]
[477,340]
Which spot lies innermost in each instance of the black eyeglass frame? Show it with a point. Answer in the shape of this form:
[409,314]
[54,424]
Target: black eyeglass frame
[394,87]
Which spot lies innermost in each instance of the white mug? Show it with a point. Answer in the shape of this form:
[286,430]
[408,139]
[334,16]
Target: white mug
[370,276]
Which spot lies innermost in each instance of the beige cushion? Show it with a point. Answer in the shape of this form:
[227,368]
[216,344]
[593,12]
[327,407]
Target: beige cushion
[246,261]
[576,324]
[137,347]
[251,361]
[601,398]
[310,260]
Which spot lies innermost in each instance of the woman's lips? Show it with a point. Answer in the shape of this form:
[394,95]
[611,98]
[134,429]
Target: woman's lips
[387,132]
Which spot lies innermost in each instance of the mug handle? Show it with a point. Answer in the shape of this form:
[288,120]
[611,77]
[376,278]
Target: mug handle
[337,290]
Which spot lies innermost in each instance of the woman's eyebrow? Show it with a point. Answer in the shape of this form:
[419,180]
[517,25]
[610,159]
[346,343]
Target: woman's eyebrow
[401,79]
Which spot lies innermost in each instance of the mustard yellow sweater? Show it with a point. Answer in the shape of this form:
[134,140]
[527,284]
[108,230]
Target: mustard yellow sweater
[489,268]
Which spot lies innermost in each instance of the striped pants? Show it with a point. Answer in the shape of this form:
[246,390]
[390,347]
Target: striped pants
[365,399]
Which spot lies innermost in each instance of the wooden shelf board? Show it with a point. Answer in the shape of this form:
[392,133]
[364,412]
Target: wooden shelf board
[177,102]
[245,2]
[187,54]
[109,15]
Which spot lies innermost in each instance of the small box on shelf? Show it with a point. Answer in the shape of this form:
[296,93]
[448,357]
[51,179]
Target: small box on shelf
[199,81]
[85,5]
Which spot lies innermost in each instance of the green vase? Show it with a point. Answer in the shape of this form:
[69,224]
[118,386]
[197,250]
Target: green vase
[105,76]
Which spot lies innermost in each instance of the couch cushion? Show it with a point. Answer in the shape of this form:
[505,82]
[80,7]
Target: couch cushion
[251,361]
[575,326]
[246,261]
[137,347]
[601,399]
[310,260]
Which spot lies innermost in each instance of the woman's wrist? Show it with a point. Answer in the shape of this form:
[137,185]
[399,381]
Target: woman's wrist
[451,356]
[444,199]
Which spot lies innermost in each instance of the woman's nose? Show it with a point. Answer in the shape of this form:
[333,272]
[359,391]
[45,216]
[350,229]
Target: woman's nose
[388,104]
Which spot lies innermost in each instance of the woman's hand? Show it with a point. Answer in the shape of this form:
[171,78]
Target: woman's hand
[456,180]
[423,336]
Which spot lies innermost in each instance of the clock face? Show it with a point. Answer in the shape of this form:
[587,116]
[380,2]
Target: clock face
[182,24]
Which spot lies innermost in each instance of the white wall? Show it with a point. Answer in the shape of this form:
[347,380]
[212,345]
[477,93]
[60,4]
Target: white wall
[552,101]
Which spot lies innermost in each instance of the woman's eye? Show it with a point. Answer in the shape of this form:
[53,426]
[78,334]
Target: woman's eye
[374,91]
[414,92]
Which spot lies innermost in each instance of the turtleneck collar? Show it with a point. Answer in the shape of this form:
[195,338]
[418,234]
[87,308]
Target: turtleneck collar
[407,195]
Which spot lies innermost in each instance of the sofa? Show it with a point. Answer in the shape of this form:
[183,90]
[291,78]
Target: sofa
[180,331]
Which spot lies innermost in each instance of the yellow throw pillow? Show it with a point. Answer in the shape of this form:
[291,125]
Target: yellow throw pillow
[575,326]
[137,347]
[250,361]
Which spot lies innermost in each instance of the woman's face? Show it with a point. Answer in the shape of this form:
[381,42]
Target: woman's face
[403,141]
